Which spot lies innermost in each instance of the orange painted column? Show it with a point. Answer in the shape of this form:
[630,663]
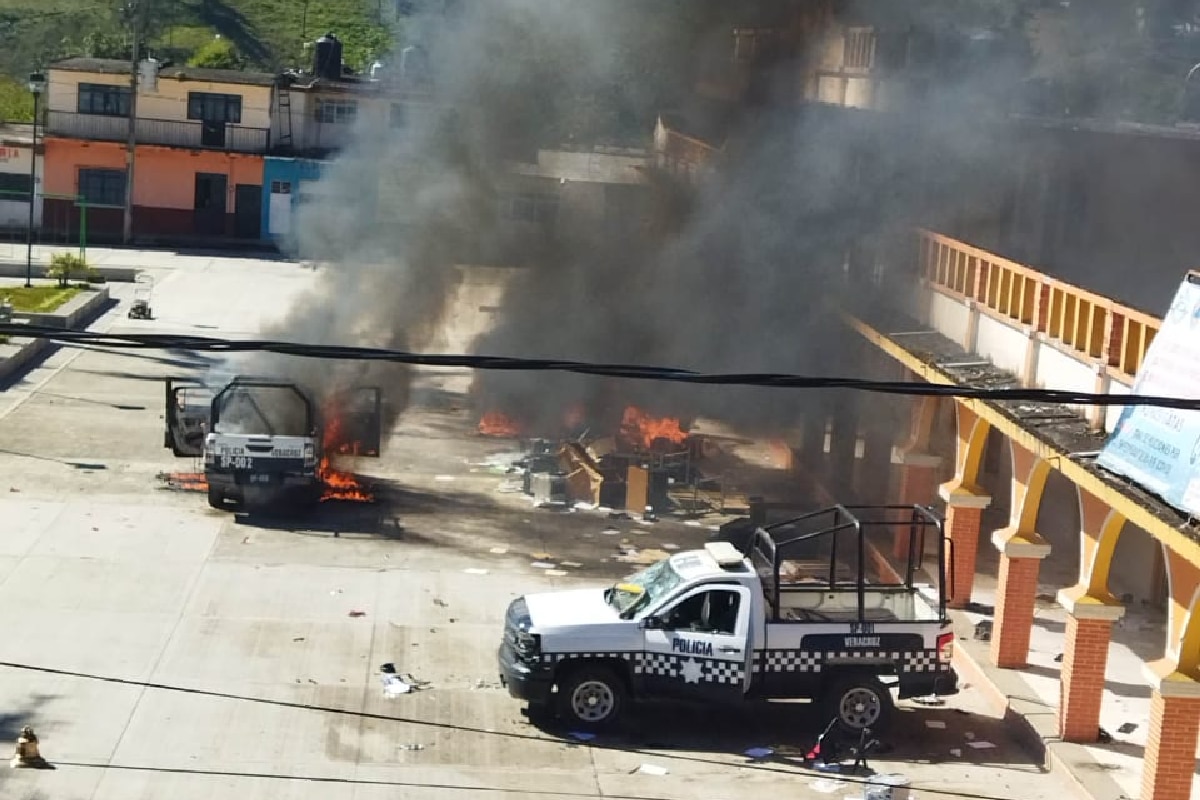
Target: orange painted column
[964,517]
[1020,560]
[1085,660]
[1169,763]
[917,486]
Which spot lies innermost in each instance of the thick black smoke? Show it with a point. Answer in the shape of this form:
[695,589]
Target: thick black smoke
[736,276]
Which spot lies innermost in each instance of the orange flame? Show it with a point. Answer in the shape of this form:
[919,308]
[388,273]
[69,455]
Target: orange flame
[781,454]
[642,429]
[339,484]
[493,423]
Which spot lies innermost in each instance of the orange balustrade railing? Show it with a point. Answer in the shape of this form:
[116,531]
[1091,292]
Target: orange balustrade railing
[1095,328]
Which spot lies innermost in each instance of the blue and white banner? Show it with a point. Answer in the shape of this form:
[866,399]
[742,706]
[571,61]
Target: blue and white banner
[1159,448]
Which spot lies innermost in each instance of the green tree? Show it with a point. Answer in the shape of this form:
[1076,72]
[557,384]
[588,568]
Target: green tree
[217,54]
[16,103]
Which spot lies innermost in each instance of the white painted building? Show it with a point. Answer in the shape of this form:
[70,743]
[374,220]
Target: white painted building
[15,152]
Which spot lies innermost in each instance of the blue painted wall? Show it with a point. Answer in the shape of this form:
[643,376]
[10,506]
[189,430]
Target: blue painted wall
[289,171]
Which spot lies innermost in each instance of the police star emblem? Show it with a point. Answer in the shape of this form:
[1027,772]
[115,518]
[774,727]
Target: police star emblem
[692,671]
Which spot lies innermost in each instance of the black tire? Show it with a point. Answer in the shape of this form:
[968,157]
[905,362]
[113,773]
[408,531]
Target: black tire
[857,702]
[216,499]
[592,698]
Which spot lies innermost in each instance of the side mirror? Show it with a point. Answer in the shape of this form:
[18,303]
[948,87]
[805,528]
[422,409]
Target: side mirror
[653,623]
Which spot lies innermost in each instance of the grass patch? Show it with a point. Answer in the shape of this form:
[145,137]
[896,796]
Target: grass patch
[38,299]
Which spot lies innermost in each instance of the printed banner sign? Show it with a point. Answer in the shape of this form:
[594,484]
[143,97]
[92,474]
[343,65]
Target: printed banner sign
[1159,448]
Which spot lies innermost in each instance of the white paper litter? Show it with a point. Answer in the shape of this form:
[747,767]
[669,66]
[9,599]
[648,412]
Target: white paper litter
[670,546]
[444,478]
[475,571]
[558,573]
[826,785]
[651,769]
[694,523]
[393,686]
[573,564]
[969,735]
[981,745]
[954,751]
[935,723]
[499,551]
[610,531]
[543,565]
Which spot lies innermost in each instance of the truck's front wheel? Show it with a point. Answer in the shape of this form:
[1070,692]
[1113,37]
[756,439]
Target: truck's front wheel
[860,701]
[591,698]
[216,498]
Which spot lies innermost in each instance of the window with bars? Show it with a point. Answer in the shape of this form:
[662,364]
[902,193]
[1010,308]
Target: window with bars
[281,187]
[859,48]
[338,112]
[14,187]
[102,99]
[213,107]
[102,186]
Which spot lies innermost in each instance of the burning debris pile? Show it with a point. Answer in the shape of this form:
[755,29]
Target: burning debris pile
[641,467]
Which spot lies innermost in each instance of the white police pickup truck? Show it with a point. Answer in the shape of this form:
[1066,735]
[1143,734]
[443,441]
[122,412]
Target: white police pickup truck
[818,609]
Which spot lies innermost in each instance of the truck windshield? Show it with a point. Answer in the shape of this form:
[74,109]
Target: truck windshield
[643,588]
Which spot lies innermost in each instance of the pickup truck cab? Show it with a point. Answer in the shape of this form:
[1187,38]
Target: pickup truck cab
[817,609]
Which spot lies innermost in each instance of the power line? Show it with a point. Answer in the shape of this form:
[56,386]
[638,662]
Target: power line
[849,779]
[153,341]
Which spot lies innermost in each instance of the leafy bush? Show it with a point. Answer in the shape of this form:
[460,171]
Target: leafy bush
[65,266]
[217,54]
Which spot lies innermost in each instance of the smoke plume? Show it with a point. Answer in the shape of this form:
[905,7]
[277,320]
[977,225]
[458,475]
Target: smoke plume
[736,279]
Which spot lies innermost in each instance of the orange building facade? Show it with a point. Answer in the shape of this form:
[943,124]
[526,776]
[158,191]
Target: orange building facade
[201,141]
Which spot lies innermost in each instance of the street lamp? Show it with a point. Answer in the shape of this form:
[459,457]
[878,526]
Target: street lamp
[37,85]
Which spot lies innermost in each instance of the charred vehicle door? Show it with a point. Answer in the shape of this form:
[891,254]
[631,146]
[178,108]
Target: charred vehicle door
[188,416]
[354,422]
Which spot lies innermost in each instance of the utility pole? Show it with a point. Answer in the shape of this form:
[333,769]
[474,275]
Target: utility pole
[135,10]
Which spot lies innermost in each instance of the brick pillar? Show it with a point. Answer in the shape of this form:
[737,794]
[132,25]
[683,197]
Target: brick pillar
[1020,559]
[917,486]
[1169,763]
[1085,659]
[964,515]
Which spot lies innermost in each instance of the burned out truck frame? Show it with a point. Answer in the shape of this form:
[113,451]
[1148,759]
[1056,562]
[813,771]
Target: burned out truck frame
[271,457]
[813,610]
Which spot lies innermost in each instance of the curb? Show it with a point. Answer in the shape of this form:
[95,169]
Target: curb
[1033,723]
[34,351]
[10,269]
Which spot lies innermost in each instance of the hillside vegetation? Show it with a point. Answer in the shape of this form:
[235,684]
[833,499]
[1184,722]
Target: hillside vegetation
[255,34]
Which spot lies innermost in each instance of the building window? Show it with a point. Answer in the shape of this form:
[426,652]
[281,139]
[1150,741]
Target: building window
[102,187]
[14,187]
[281,187]
[99,98]
[859,52]
[398,116]
[210,107]
[340,112]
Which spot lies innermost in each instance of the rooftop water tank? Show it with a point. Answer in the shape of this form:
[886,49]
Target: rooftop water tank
[327,58]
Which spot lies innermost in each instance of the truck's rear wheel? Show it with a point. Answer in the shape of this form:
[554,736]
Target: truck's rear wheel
[858,702]
[592,698]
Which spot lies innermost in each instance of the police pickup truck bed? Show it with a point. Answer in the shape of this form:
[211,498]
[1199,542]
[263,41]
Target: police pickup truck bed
[816,610]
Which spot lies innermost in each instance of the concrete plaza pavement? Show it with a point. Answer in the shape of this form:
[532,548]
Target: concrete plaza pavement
[161,648]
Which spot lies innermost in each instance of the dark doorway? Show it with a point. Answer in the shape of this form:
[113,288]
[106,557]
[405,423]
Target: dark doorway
[210,204]
[212,134]
[247,211]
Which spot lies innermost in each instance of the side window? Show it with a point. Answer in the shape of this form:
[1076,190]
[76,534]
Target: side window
[714,611]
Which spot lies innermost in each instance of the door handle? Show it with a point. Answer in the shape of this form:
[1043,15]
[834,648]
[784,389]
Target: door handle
[728,649]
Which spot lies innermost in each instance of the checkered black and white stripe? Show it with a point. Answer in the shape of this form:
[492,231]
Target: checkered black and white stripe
[658,664]
[554,658]
[774,661]
[920,661]
[723,671]
[791,661]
